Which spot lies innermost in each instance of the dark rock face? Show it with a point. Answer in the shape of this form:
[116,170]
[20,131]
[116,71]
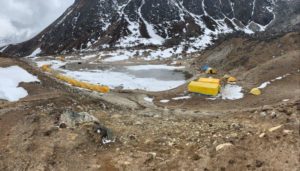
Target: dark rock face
[97,24]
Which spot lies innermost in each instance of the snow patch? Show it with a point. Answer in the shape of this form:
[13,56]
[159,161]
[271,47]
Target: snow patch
[117,58]
[212,98]
[119,55]
[10,78]
[148,67]
[107,141]
[231,92]
[181,98]
[65,16]
[264,85]
[148,99]
[89,56]
[35,52]
[164,101]
[3,49]
[55,64]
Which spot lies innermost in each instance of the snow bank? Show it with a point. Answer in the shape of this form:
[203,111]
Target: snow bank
[35,52]
[117,58]
[89,56]
[55,64]
[148,99]
[264,85]
[231,92]
[146,54]
[181,98]
[119,55]
[3,49]
[164,101]
[10,78]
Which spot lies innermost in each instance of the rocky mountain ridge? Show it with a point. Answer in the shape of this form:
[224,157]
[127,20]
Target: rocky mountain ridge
[101,24]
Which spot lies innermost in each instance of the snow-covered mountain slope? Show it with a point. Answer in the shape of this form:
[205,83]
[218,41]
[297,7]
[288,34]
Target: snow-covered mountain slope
[98,24]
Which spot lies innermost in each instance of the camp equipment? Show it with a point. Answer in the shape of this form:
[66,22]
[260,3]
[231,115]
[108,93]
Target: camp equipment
[231,80]
[211,71]
[255,91]
[206,86]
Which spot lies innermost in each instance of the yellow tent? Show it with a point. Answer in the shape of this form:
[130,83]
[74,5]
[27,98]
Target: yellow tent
[204,88]
[255,91]
[211,71]
[231,80]
[226,76]
[207,86]
[209,80]
[46,68]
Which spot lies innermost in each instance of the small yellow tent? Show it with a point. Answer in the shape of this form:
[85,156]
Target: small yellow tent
[46,68]
[231,80]
[211,71]
[255,91]
[226,76]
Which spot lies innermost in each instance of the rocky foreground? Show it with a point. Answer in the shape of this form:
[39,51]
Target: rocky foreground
[58,127]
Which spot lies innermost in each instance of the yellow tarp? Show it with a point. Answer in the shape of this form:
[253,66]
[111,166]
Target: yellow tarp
[46,68]
[76,83]
[204,88]
[102,89]
[209,80]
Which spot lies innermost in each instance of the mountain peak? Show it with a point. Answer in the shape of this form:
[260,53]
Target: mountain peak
[98,24]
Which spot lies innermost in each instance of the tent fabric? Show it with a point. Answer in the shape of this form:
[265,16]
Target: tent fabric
[255,91]
[231,79]
[209,80]
[204,88]
[211,71]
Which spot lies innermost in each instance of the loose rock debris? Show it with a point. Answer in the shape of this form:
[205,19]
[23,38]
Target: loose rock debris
[179,135]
